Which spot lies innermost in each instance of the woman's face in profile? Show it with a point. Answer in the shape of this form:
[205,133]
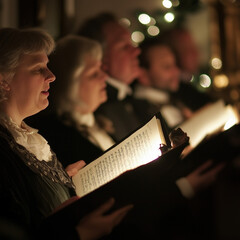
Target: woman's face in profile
[30,84]
[92,85]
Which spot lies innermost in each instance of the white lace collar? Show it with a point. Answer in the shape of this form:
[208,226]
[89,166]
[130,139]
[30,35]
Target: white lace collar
[28,137]
[123,89]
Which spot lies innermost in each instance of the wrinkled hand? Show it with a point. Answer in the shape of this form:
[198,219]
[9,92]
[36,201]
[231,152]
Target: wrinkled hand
[97,224]
[73,169]
[200,180]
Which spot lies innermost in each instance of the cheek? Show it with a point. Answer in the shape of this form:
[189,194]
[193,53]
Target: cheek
[83,90]
[156,74]
[94,100]
[89,93]
[28,93]
[100,95]
[122,59]
[126,65]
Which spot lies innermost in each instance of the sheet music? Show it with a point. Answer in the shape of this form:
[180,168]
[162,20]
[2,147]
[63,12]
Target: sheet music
[138,149]
[209,120]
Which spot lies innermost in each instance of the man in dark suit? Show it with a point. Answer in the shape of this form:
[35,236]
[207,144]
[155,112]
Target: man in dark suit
[120,62]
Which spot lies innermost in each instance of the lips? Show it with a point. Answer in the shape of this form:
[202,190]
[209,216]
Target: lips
[45,92]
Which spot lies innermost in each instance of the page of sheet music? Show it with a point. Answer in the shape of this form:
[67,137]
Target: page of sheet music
[208,120]
[138,149]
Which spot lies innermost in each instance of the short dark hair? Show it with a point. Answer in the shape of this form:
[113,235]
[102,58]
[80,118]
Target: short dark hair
[148,44]
[93,27]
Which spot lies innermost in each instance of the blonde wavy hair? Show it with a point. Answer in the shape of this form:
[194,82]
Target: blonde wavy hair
[67,63]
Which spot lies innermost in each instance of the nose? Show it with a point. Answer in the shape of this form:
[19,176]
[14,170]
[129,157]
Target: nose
[50,76]
[103,76]
[136,51]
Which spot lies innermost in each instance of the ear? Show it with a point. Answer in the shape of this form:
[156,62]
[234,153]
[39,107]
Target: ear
[3,84]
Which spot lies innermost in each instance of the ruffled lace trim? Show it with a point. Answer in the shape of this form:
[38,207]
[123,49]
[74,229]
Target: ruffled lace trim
[28,137]
[52,169]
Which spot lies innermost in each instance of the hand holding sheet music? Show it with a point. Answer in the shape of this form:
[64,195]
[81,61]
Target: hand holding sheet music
[139,148]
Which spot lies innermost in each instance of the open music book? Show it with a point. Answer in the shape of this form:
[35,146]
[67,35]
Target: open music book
[148,183]
[141,147]
[133,171]
[214,117]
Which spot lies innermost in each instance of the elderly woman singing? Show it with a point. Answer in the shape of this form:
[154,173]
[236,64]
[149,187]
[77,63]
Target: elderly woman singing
[33,183]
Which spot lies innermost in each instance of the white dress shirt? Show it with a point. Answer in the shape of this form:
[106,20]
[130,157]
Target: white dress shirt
[171,113]
[96,135]
[123,88]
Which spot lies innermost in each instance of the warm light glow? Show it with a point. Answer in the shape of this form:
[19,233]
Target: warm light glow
[153,155]
[221,81]
[125,21]
[229,124]
[153,30]
[144,18]
[137,36]
[169,17]
[205,80]
[233,117]
[167,3]
[216,63]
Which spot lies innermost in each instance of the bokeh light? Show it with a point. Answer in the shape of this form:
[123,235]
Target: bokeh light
[167,3]
[221,81]
[137,36]
[175,3]
[153,30]
[125,21]
[169,17]
[205,81]
[153,21]
[144,18]
[216,63]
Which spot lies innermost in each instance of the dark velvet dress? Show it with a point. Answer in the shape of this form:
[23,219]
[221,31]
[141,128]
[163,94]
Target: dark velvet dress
[30,189]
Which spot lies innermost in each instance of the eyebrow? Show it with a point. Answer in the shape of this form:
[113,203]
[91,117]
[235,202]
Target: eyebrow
[35,60]
[37,63]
